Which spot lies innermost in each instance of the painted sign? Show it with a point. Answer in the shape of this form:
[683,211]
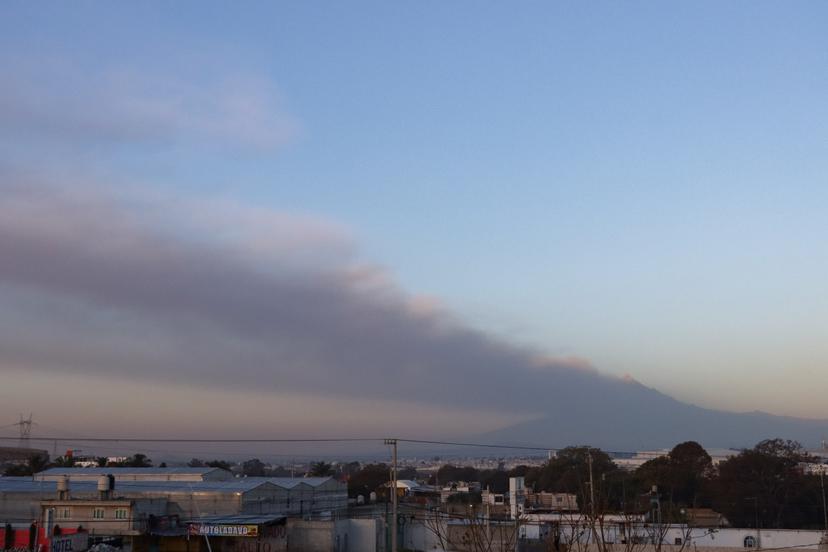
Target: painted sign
[77,542]
[221,530]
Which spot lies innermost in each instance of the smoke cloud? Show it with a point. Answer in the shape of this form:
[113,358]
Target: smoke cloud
[222,296]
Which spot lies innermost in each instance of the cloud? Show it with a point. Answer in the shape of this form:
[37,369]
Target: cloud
[165,289]
[70,105]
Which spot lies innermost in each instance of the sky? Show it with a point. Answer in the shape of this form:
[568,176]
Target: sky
[317,212]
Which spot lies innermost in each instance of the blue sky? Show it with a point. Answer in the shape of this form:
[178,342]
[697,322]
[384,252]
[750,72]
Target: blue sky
[642,185]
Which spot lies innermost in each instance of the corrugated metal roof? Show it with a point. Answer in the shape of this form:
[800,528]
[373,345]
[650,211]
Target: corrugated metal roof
[245,484]
[29,485]
[184,470]
[26,484]
[290,482]
[241,519]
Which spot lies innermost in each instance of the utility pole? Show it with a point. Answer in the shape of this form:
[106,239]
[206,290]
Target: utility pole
[824,509]
[755,500]
[591,486]
[393,443]
[592,520]
[487,509]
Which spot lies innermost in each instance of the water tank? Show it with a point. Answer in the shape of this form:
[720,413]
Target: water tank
[361,499]
[103,483]
[372,497]
[63,488]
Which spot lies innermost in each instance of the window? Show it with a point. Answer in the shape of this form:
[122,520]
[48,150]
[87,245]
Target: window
[64,513]
[678,541]
[750,541]
[97,513]
[121,513]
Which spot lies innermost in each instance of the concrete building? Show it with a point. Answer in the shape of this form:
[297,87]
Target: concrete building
[576,531]
[141,508]
[107,517]
[553,502]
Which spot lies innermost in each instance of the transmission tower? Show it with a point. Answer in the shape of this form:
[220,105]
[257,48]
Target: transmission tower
[25,426]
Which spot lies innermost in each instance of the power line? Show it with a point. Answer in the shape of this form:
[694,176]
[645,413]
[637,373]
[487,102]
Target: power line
[189,440]
[619,454]
[377,440]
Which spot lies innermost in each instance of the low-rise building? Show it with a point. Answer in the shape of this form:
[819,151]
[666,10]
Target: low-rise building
[125,503]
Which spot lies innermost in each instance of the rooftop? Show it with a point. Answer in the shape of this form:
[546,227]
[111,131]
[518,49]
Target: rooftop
[240,485]
[123,470]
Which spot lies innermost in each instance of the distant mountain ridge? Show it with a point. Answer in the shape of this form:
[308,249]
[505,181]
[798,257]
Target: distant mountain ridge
[622,414]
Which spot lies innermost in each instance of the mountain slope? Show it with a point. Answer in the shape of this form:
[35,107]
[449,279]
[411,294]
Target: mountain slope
[624,415]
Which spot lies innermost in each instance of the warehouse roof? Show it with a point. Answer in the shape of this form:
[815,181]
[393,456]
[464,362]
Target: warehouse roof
[241,519]
[184,470]
[240,485]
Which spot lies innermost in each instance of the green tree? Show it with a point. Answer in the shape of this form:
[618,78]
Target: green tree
[278,471]
[407,472]
[568,471]
[320,469]
[253,468]
[765,484]
[497,481]
[449,472]
[682,478]
[350,468]
[64,462]
[34,464]
[367,480]
[138,460]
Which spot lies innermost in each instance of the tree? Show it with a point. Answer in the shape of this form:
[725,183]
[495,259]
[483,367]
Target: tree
[497,481]
[367,480]
[450,472]
[349,469]
[682,478]
[196,463]
[407,472]
[472,497]
[468,529]
[221,464]
[763,484]
[101,461]
[35,463]
[137,460]
[569,472]
[690,467]
[64,462]
[253,468]
[320,469]
[279,471]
